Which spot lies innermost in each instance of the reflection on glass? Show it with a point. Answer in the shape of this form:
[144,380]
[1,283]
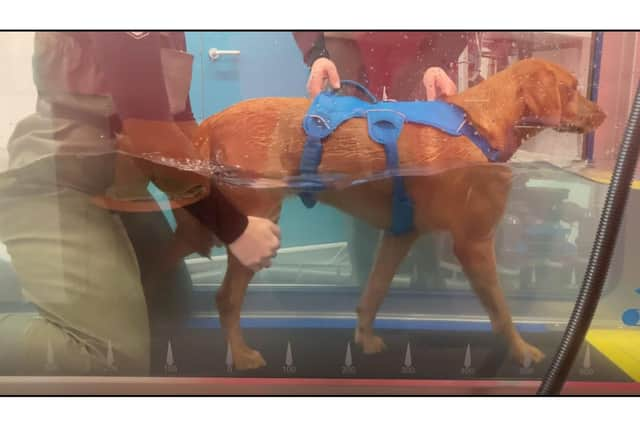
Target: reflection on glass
[132,159]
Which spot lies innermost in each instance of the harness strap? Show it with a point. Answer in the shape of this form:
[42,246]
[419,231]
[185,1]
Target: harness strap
[385,127]
[311,158]
[385,121]
[490,153]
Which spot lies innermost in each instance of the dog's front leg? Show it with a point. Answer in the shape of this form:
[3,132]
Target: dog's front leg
[478,260]
[391,252]
[229,301]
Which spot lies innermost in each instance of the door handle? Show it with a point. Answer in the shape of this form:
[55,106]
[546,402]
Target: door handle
[215,54]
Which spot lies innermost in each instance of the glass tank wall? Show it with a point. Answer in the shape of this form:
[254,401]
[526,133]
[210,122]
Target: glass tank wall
[109,140]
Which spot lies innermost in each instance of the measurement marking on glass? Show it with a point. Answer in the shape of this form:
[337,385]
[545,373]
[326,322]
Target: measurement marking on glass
[170,365]
[586,368]
[111,363]
[348,368]
[229,359]
[466,367]
[407,367]
[289,368]
[50,366]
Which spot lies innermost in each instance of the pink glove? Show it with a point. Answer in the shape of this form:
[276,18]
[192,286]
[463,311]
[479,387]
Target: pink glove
[258,244]
[323,70]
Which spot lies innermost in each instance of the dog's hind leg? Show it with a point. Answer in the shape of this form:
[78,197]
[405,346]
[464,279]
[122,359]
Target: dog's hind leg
[478,260]
[391,252]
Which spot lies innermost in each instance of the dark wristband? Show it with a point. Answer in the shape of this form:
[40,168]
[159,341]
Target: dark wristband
[317,51]
[220,216]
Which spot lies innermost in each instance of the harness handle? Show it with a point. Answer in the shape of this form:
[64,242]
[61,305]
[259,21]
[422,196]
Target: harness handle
[360,87]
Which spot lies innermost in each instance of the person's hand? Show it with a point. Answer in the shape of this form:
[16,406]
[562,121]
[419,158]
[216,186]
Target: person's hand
[323,70]
[258,244]
[437,83]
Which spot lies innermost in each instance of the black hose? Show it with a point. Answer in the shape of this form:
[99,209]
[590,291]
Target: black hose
[600,258]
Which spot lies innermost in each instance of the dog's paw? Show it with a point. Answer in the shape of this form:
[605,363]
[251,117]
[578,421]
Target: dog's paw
[526,354]
[371,344]
[247,358]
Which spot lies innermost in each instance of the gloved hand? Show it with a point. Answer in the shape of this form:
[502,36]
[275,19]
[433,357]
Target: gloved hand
[323,70]
[258,244]
[437,83]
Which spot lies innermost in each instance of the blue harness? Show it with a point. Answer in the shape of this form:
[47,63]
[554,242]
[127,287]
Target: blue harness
[385,120]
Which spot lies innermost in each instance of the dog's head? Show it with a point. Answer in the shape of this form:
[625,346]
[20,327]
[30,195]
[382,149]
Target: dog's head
[551,98]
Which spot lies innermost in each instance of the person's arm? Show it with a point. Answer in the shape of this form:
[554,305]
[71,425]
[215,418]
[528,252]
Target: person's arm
[133,71]
[311,44]
[316,57]
[132,68]
[219,216]
[442,48]
[253,240]
[437,54]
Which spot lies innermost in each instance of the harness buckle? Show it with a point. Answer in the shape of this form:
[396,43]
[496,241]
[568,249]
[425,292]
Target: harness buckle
[463,123]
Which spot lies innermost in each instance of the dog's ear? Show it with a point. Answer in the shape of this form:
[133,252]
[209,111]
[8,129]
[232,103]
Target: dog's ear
[541,95]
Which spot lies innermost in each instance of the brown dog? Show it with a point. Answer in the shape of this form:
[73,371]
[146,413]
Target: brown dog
[265,136]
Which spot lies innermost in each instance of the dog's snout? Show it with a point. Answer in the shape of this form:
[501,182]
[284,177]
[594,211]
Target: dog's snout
[593,114]
[590,113]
